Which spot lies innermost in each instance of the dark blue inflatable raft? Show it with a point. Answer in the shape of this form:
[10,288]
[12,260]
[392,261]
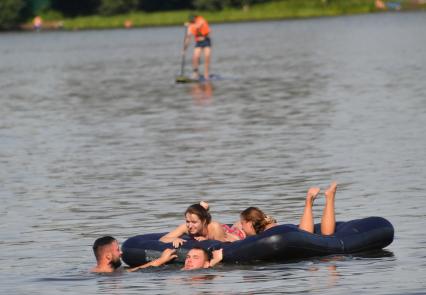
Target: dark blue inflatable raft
[280,243]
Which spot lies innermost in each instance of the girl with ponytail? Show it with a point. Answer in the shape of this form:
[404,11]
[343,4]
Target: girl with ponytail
[253,221]
[198,225]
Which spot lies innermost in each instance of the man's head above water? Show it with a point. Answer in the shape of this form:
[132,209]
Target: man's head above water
[197,258]
[107,253]
[108,257]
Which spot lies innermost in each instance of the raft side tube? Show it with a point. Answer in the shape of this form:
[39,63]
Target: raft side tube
[365,234]
[141,249]
[280,243]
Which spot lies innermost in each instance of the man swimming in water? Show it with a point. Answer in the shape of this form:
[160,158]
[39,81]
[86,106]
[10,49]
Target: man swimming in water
[200,258]
[199,28]
[108,257]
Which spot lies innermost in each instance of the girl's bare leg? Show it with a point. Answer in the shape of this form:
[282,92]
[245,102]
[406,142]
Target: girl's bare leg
[196,62]
[307,220]
[328,221]
[207,54]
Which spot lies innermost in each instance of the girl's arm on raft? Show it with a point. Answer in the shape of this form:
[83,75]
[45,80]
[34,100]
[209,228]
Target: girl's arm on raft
[174,236]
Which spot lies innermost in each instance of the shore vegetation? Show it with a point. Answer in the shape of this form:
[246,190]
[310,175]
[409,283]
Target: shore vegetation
[107,14]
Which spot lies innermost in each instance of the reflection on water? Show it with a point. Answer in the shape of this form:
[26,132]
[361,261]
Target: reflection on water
[202,93]
[97,139]
[330,266]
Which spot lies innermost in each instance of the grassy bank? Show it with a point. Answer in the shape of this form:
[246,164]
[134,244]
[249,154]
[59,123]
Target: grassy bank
[266,11]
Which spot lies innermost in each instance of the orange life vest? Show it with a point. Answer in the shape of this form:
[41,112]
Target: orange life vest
[199,28]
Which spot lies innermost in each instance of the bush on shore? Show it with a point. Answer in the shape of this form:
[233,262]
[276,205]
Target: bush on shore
[10,13]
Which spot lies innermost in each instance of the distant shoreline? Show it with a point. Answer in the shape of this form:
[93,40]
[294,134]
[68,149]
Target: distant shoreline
[261,12]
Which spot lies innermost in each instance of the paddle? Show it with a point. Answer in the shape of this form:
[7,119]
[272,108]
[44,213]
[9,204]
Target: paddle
[181,78]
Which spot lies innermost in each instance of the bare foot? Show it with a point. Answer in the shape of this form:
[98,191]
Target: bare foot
[312,194]
[195,75]
[330,192]
[205,205]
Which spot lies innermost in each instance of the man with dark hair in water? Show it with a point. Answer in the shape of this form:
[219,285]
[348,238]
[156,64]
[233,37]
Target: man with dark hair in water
[108,257]
[199,257]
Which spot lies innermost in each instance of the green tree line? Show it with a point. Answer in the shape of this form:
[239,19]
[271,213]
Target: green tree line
[12,12]
[112,7]
[15,12]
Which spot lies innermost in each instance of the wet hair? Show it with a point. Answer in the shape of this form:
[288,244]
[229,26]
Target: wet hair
[207,254]
[101,243]
[258,219]
[201,212]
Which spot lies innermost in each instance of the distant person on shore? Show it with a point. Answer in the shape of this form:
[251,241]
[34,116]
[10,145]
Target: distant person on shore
[128,23]
[108,257]
[37,23]
[380,4]
[199,28]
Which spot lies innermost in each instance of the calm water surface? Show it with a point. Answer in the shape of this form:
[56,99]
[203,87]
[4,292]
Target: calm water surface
[95,139]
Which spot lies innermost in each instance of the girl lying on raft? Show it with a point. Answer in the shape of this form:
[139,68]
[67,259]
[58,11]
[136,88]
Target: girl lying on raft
[200,226]
[253,221]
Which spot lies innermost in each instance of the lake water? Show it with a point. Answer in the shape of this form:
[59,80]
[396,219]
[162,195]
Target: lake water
[95,139]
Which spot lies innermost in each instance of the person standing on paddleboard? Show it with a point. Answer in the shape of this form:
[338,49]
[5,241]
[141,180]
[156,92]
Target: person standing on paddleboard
[199,28]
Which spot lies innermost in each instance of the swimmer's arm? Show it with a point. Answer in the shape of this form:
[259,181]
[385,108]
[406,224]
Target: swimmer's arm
[217,257]
[176,233]
[166,256]
[187,38]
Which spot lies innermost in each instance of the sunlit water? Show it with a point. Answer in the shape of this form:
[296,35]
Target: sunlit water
[95,139]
